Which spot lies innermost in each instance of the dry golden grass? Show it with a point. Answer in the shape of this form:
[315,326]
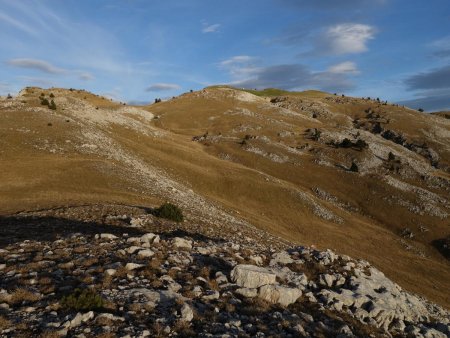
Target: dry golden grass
[23,295]
[257,189]
[50,334]
[4,323]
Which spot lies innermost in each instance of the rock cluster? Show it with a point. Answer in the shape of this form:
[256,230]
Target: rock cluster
[170,285]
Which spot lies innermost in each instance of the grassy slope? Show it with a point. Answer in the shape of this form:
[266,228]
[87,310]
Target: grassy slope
[260,190]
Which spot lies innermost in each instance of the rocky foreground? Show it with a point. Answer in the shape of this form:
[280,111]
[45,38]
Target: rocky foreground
[130,282]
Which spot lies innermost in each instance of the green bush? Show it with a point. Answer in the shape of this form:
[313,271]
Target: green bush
[52,105]
[44,102]
[51,95]
[82,300]
[169,211]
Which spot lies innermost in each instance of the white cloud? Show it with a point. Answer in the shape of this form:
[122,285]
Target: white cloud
[346,67]
[348,38]
[160,87]
[36,64]
[211,28]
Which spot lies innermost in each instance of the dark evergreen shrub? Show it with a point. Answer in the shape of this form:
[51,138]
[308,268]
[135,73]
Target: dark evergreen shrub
[86,300]
[169,211]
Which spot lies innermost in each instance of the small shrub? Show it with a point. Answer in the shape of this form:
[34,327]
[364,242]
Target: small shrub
[82,300]
[52,105]
[354,167]
[169,211]
[9,96]
[421,110]
[361,144]
[51,95]
[346,143]
[44,102]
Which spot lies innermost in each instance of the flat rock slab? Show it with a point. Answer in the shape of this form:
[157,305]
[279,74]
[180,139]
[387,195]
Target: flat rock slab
[277,294]
[251,276]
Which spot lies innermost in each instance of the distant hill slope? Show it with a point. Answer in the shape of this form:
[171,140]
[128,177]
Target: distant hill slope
[367,179]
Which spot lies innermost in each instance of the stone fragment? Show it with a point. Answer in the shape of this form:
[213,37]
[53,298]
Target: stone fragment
[181,243]
[187,314]
[133,266]
[132,249]
[281,258]
[110,272]
[277,294]
[108,236]
[251,276]
[327,280]
[150,238]
[81,318]
[109,316]
[145,253]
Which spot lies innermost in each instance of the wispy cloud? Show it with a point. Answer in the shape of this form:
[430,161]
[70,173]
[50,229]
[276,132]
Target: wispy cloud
[36,64]
[346,67]
[347,38]
[335,39]
[241,66]
[85,76]
[17,24]
[432,87]
[287,76]
[429,101]
[441,47]
[438,78]
[207,28]
[160,87]
[239,59]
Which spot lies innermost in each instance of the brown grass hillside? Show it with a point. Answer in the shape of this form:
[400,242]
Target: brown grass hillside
[273,159]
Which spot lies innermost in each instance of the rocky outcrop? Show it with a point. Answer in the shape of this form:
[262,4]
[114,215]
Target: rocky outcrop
[151,284]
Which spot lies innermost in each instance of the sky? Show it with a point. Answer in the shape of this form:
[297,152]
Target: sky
[136,50]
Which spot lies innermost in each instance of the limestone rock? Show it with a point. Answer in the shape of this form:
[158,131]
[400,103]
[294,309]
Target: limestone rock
[251,276]
[186,313]
[108,236]
[145,253]
[133,266]
[277,294]
[281,258]
[182,243]
[247,292]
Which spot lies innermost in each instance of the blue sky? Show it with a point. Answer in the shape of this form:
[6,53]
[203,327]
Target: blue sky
[136,50]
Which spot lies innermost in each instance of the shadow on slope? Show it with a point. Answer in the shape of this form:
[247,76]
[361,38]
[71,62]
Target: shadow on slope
[15,229]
